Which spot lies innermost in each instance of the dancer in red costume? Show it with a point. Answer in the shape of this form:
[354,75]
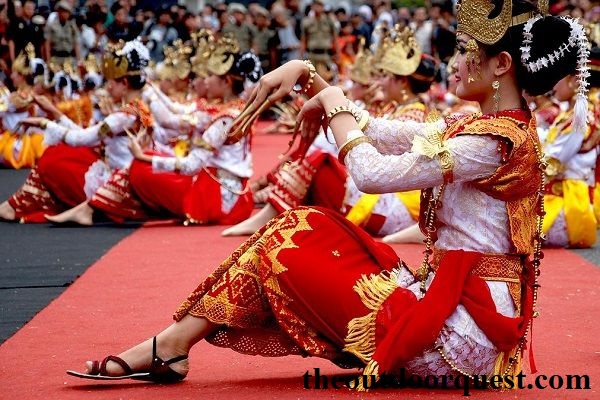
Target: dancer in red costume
[209,185]
[77,167]
[311,283]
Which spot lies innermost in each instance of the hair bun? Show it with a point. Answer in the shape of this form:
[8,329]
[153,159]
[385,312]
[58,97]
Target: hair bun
[248,66]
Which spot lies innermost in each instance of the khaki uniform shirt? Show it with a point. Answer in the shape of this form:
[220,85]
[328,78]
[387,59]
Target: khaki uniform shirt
[244,34]
[319,33]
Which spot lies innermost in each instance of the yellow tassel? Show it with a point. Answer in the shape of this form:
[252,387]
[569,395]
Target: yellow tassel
[373,291]
[370,372]
[503,362]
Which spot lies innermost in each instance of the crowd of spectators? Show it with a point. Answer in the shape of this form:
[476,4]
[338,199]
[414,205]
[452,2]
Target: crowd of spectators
[69,30]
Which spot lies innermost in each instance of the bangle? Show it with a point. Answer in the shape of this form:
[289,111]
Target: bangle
[364,120]
[311,78]
[44,123]
[350,144]
[338,110]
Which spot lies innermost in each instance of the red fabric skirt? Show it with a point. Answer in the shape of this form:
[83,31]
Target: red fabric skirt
[62,169]
[197,198]
[116,199]
[55,184]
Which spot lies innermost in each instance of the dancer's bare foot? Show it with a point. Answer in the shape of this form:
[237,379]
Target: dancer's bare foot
[82,214]
[412,234]
[7,213]
[252,224]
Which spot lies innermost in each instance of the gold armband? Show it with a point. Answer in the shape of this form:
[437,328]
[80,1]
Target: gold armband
[350,144]
[44,123]
[311,78]
[364,120]
[104,130]
[433,146]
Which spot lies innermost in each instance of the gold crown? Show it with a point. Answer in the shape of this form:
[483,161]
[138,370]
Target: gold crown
[360,72]
[181,59]
[222,57]
[21,63]
[91,64]
[204,42]
[473,17]
[115,64]
[400,53]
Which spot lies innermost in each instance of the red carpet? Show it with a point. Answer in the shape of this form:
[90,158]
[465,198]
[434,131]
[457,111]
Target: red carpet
[130,293]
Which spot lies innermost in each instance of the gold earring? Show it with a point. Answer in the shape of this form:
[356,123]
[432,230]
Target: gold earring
[473,60]
[403,95]
[496,97]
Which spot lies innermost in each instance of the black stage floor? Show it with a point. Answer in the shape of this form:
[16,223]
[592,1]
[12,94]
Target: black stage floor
[38,261]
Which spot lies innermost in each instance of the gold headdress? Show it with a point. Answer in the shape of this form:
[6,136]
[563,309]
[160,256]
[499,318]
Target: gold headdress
[21,63]
[222,58]
[116,62]
[473,17]
[181,59]
[360,72]
[204,42]
[91,64]
[401,53]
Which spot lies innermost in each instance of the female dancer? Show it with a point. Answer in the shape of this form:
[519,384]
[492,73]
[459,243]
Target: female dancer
[79,161]
[319,286]
[570,219]
[209,185]
[321,180]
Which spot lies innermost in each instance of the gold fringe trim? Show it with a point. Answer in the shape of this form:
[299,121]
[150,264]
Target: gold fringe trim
[502,366]
[371,372]
[373,291]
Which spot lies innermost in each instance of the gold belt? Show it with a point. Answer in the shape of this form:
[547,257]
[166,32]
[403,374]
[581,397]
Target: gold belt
[494,267]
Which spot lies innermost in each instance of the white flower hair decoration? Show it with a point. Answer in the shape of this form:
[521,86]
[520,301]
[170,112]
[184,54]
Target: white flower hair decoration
[142,52]
[577,39]
[254,75]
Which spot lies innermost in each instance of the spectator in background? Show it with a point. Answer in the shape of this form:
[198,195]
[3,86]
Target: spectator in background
[319,37]
[23,30]
[209,18]
[93,34]
[289,44]
[62,36]
[243,31]
[360,28]
[383,23]
[190,23]
[222,16]
[161,34]
[266,40]
[404,17]
[423,29]
[122,28]
[444,32]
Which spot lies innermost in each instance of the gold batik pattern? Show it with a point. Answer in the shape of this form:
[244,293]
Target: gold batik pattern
[244,296]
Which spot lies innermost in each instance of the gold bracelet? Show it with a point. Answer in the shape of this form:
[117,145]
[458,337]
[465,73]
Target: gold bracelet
[44,123]
[350,144]
[177,164]
[364,120]
[312,71]
[338,110]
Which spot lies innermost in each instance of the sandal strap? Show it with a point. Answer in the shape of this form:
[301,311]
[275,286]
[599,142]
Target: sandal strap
[156,360]
[118,360]
[95,368]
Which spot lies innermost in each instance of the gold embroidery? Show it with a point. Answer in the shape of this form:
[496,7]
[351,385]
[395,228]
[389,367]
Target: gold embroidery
[432,145]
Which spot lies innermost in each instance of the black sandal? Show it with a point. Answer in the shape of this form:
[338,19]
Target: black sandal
[159,372]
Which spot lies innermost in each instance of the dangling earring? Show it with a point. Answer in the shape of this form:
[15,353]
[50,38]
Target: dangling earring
[473,60]
[496,96]
[403,95]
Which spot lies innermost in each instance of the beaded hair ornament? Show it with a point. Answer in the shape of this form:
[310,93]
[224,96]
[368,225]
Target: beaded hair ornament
[577,39]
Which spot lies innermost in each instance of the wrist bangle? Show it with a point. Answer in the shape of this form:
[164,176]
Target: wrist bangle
[350,144]
[338,110]
[311,78]
[364,120]
[44,123]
